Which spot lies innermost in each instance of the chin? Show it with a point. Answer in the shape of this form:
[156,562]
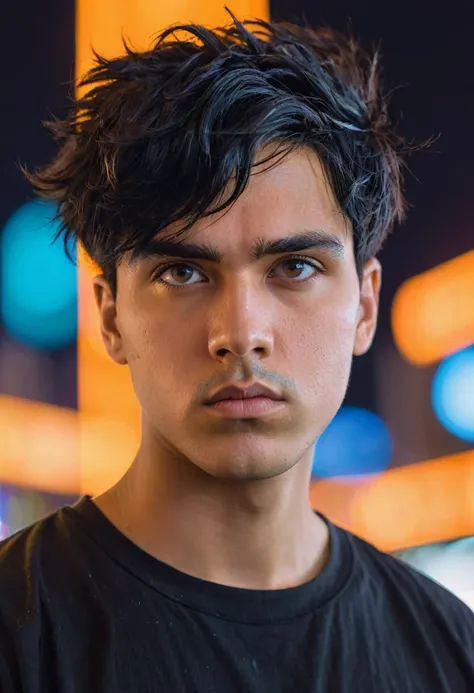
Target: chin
[244,474]
[248,456]
[244,468]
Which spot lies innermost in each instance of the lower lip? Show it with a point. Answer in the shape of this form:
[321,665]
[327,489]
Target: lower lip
[245,408]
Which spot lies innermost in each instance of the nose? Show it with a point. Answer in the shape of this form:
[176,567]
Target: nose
[240,323]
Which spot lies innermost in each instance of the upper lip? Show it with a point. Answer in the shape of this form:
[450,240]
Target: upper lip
[237,392]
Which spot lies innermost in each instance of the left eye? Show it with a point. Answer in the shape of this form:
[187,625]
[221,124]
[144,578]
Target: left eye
[298,269]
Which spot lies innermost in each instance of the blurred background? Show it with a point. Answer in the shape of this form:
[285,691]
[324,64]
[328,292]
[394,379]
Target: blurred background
[396,465]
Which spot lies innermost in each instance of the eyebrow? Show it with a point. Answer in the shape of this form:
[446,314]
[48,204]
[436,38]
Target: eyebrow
[317,239]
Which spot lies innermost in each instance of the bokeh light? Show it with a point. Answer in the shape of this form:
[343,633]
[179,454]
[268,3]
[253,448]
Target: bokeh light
[451,564]
[4,530]
[453,394]
[356,442]
[433,312]
[38,283]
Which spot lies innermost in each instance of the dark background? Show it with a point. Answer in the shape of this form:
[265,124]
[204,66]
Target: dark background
[37,58]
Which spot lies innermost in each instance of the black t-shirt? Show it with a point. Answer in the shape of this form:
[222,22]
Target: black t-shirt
[84,610]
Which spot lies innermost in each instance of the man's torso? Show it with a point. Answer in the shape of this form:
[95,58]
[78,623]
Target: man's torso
[83,609]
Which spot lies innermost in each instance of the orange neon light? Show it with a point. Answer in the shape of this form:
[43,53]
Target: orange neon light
[433,313]
[101,23]
[40,445]
[409,506]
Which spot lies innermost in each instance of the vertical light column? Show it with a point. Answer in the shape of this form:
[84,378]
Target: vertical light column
[109,421]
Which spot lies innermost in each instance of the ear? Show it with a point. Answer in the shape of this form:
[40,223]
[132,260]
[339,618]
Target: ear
[109,329]
[368,307]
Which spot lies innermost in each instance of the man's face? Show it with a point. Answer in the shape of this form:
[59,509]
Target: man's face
[292,321]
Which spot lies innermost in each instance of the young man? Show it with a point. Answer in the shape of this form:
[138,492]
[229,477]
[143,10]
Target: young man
[235,188]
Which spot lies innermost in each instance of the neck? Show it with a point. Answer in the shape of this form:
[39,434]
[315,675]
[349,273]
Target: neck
[251,534]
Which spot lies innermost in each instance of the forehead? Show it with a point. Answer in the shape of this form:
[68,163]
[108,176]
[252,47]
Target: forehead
[284,197]
[279,200]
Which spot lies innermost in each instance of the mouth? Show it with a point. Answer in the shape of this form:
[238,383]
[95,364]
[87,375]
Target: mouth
[251,402]
[246,408]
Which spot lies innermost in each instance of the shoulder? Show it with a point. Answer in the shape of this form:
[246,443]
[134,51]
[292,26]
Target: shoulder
[409,589]
[26,558]
[32,564]
[27,545]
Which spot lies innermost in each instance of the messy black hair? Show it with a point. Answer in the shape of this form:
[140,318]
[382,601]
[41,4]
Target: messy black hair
[160,134]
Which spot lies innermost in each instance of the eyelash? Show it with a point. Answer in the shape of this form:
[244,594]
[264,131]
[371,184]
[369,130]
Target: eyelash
[157,276]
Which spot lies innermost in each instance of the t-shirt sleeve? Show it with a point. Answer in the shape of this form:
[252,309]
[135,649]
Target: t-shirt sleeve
[18,597]
[452,617]
[431,606]
[453,612]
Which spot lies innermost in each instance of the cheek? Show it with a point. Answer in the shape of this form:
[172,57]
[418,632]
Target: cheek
[330,326]
[159,354]
[320,347]
[151,334]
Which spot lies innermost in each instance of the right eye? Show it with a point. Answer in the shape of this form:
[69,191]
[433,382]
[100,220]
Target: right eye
[176,276]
